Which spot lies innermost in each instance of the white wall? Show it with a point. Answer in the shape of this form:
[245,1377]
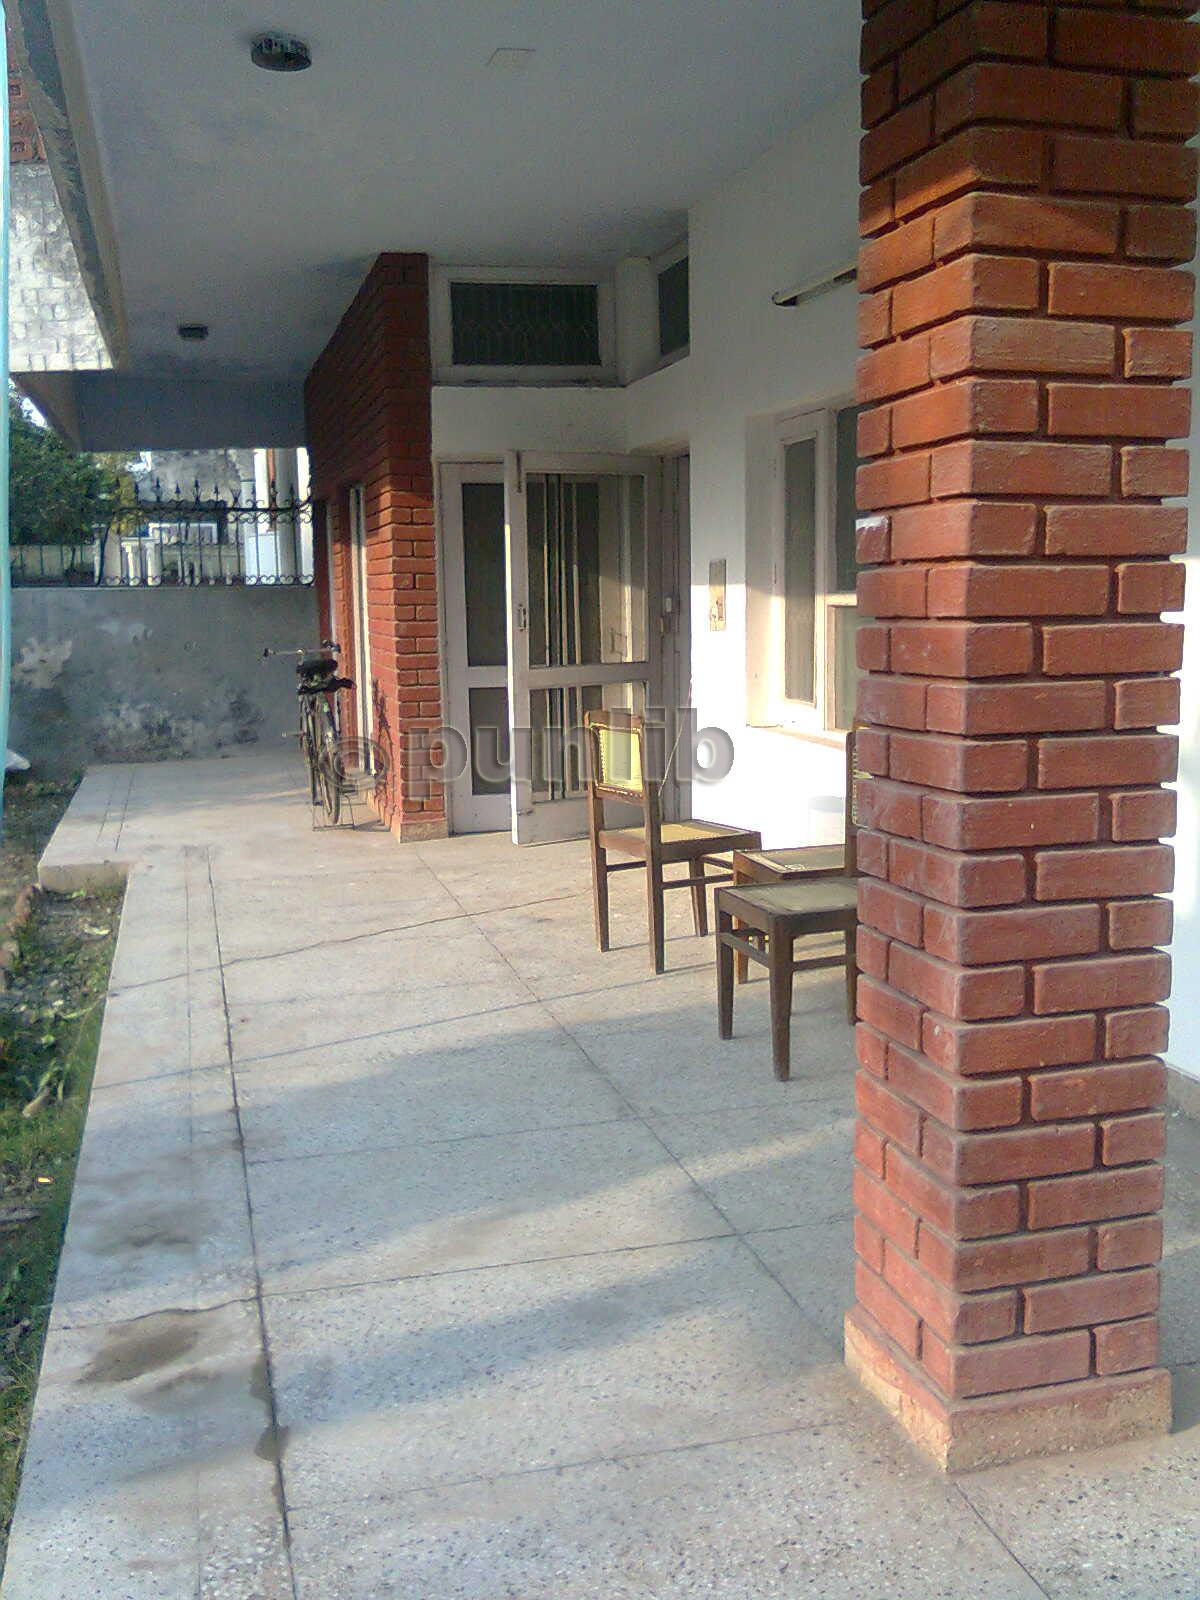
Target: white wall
[784,220]
[474,421]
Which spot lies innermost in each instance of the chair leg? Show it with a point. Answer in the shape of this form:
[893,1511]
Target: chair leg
[724,977]
[741,962]
[851,974]
[699,903]
[654,915]
[779,967]
[600,895]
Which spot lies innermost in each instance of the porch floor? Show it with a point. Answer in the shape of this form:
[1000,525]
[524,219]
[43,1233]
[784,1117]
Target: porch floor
[417,1249]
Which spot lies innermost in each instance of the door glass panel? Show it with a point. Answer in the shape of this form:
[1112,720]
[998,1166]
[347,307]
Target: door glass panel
[799,566]
[483,563]
[489,740]
[587,569]
[556,715]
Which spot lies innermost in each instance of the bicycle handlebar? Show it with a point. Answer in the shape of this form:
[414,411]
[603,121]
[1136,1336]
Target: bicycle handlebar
[326,644]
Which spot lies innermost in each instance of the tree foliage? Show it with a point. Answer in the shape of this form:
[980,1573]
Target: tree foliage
[58,495]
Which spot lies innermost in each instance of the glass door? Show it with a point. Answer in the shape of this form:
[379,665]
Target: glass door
[475,588]
[583,611]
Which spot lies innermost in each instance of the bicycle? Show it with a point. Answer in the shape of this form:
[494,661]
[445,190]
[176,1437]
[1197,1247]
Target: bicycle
[320,724]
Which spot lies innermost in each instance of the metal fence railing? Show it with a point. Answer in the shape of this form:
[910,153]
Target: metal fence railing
[155,542]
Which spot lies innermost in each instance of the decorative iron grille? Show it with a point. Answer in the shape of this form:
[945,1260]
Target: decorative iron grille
[180,541]
[525,324]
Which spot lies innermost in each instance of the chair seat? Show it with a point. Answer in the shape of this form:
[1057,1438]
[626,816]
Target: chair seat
[769,866]
[682,841]
[806,899]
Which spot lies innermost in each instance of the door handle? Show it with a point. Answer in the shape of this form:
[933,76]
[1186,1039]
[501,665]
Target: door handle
[522,618]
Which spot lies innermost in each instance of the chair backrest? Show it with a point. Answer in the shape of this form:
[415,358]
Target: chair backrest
[616,754]
[854,774]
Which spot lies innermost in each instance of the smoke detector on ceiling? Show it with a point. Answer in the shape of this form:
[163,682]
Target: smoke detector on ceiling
[277,52]
[510,58]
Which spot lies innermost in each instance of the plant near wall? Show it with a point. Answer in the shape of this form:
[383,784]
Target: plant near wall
[58,495]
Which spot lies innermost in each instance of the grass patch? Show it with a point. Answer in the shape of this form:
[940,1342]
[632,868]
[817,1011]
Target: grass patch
[50,1018]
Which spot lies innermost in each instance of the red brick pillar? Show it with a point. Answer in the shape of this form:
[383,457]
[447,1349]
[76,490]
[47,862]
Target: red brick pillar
[368,402]
[1025,207]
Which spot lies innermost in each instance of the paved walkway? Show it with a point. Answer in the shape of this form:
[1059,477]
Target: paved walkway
[419,1250]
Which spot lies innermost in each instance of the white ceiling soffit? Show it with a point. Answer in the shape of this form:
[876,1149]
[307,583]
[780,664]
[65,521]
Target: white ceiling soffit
[253,201]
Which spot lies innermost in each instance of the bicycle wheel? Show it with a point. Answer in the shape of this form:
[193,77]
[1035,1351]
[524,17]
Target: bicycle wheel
[329,775]
[309,749]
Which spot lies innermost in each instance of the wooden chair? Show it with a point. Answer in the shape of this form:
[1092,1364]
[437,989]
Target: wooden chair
[761,922]
[616,749]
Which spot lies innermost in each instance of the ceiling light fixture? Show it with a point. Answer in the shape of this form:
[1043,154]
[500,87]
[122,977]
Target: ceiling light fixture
[277,52]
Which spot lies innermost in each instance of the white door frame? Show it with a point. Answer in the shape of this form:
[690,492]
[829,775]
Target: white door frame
[676,628]
[469,812]
[536,822]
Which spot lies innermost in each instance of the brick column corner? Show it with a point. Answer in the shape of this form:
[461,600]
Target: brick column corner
[368,401]
[1024,214]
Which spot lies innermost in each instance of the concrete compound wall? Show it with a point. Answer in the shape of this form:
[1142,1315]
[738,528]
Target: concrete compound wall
[152,674]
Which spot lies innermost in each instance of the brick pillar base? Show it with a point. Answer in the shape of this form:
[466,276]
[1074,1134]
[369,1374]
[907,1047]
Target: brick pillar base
[1027,183]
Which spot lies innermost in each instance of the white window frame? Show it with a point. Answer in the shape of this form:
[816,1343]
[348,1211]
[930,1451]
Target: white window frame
[818,715]
[659,264]
[441,331]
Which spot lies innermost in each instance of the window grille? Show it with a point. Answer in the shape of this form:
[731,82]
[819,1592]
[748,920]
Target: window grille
[525,324]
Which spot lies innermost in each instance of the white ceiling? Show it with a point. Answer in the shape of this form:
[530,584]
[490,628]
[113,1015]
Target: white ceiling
[254,201]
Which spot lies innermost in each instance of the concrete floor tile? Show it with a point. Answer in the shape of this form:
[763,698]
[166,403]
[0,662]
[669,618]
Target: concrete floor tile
[1121,1521]
[259,918]
[828,1513]
[658,1043]
[511,1071]
[439,1379]
[814,1262]
[553,946]
[344,992]
[470,1203]
[159,1214]
[159,1028]
[148,1473]
[769,1166]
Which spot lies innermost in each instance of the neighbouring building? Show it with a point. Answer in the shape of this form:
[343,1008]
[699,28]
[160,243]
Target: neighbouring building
[795,369]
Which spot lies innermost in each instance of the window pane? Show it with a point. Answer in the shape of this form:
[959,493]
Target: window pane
[844,513]
[844,622]
[799,566]
[525,324]
[485,581]
[674,331]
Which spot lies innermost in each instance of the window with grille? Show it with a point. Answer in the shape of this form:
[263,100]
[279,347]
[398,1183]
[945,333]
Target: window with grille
[525,324]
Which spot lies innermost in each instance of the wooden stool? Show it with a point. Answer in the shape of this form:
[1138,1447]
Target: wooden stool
[777,866]
[776,915]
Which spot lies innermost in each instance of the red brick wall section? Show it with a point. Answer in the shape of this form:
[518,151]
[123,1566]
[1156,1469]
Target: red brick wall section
[368,409]
[1024,217]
